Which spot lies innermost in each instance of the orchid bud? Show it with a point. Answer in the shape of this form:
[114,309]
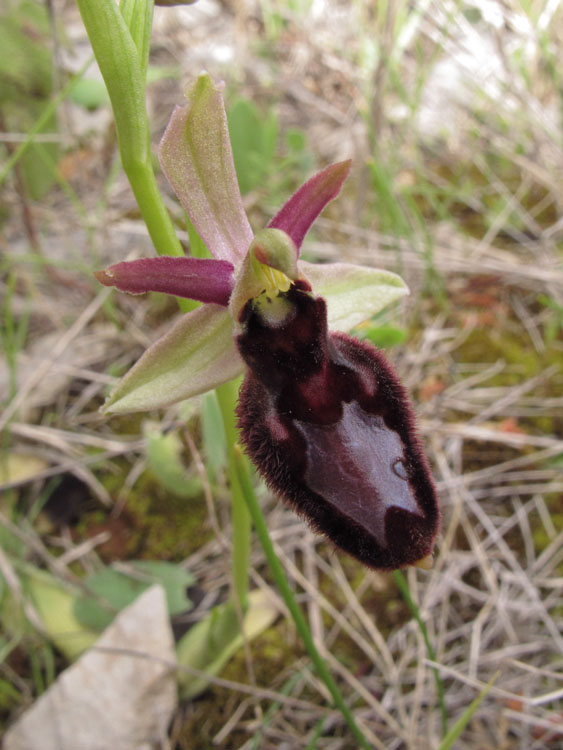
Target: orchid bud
[328,424]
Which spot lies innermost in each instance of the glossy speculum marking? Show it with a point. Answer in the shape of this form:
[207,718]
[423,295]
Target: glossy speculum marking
[330,427]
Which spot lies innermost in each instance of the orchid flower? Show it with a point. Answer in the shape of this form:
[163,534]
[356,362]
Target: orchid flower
[322,415]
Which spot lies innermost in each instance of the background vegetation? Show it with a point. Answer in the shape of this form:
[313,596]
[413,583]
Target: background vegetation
[451,112]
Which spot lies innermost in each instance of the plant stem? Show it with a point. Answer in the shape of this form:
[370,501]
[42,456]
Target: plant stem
[291,603]
[227,395]
[401,582]
[123,67]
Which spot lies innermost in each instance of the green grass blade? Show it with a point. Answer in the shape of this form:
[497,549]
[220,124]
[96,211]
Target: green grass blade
[42,120]
[317,734]
[464,719]
[401,582]
[285,689]
[227,395]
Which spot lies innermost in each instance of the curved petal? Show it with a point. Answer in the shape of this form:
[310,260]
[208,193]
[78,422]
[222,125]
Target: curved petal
[352,293]
[196,355]
[195,155]
[301,210]
[203,279]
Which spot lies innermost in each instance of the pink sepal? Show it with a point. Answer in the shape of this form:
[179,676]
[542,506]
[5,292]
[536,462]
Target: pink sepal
[202,279]
[301,210]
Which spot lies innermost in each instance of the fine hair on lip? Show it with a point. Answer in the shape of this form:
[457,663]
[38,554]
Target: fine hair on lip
[330,427]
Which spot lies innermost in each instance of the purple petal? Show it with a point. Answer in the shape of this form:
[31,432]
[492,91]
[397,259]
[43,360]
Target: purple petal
[301,210]
[195,155]
[203,279]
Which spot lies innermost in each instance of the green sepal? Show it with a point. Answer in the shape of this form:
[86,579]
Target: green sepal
[195,155]
[197,354]
[352,293]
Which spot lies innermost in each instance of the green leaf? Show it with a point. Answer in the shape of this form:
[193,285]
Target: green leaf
[26,87]
[213,436]
[269,140]
[26,60]
[89,93]
[165,463]
[384,336]
[253,139]
[112,590]
[296,140]
[138,17]
[9,695]
[38,165]
[392,216]
[16,467]
[173,578]
[159,72]
[122,59]
[54,604]
[353,293]
[120,65]
[209,644]
[195,356]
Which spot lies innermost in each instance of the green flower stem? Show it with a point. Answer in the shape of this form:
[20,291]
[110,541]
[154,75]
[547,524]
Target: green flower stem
[122,59]
[291,603]
[227,396]
[401,582]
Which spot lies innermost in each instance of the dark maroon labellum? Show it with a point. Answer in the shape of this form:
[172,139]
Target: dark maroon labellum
[330,427]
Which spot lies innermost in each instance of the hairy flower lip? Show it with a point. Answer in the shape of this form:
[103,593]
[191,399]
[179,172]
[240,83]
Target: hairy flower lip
[325,419]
